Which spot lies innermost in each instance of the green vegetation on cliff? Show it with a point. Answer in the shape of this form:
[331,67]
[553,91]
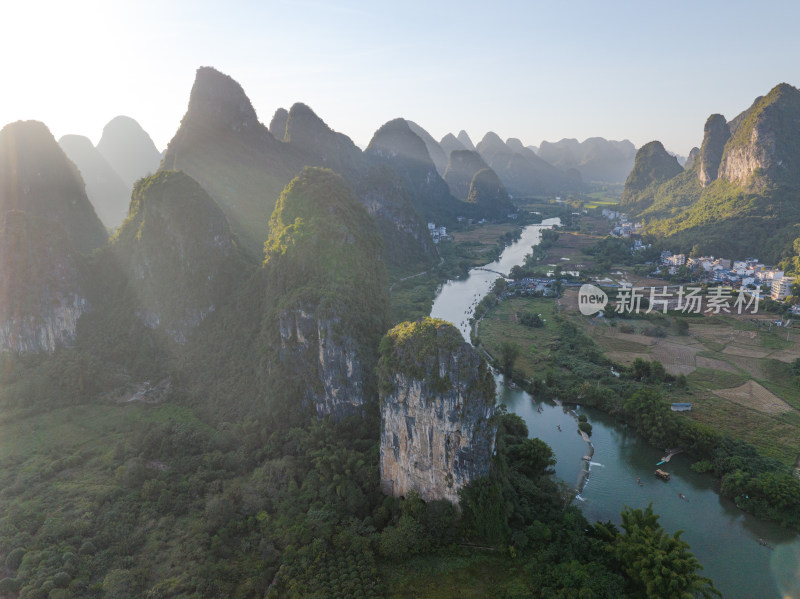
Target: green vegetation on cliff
[653,166]
[417,350]
[220,489]
[37,177]
[769,132]
[39,268]
[738,198]
[178,252]
[323,249]
[326,295]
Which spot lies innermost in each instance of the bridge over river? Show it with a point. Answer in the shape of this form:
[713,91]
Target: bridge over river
[498,273]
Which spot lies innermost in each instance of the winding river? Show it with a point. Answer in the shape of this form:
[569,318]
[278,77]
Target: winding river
[724,538]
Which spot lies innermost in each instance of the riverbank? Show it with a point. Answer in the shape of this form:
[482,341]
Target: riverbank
[723,538]
[739,369]
[412,295]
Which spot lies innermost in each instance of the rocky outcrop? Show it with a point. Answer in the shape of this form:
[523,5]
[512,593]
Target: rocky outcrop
[326,293]
[653,165]
[38,178]
[277,126]
[41,285]
[450,144]
[763,146]
[222,145]
[129,150]
[465,140]
[104,187]
[461,169]
[715,135]
[437,408]
[337,374]
[487,189]
[43,332]
[435,151]
[177,251]
[397,145]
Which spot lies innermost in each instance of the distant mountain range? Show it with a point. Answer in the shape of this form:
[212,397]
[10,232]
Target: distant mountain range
[195,217]
[596,159]
[104,187]
[204,396]
[36,177]
[737,195]
[244,165]
[124,155]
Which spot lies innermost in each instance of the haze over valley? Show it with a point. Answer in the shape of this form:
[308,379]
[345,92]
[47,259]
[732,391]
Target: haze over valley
[305,299]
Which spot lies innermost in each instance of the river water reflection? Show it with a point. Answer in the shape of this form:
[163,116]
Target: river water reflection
[722,537]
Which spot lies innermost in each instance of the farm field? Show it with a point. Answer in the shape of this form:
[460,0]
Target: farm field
[740,375]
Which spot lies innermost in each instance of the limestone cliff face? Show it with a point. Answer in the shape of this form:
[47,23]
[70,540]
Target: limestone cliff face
[43,332]
[277,126]
[763,145]
[461,169]
[437,407]
[486,188]
[691,158]
[36,177]
[178,253]
[653,165]
[326,294]
[129,150]
[222,145]
[407,242]
[41,286]
[398,146]
[309,340]
[715,136]
[321,145]
[743,161]
[450,144]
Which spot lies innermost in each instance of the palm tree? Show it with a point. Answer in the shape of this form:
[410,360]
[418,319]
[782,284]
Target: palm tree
[658,566]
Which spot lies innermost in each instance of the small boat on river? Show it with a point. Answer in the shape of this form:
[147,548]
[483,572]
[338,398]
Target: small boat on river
[765,544]
[661,474]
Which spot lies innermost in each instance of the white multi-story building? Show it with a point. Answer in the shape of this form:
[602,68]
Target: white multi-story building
[781,288]
[676,259]
[438,233]
[768,276]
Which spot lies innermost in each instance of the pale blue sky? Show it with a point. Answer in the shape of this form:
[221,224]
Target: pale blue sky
[535,70]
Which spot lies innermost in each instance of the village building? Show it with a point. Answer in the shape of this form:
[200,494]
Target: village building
[782,288]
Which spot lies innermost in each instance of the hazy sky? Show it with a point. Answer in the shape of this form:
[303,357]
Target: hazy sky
[640,70]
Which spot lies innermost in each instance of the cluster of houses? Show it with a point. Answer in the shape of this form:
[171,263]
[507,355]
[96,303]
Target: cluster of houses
[737,273]
[623,228]
[528,287]
[439,233]
[626,229]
